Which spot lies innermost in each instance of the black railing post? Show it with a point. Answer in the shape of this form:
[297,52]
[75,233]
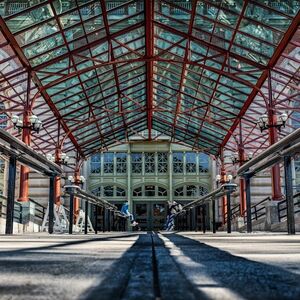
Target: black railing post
[11,195]
[103,219]
[96,219]
[108,220]
[289,195]
[51,205]
[228,196]
[213,204]
[86,217]
[203,218]
[248,204]
[71,215]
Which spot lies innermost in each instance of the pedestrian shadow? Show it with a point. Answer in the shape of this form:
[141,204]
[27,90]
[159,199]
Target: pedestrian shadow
[244,278]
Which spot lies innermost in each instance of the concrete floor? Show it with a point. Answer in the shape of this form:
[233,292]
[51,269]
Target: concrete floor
[120,266]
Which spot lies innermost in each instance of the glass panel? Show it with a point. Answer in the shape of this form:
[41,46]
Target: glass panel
[178,192]
[137,192]
[149,190]
[203,163]
[97,191]
[108,191]
[121,163]
[162,159]
[191,191]
[162,191]
[141,210]
[159,210]
[177,162]
[108,163]
[190,166]
[202,191]
[136,163]
[149,163]
[96,163]
[120,192]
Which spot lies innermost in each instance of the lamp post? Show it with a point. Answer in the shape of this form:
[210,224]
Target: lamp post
[29,123]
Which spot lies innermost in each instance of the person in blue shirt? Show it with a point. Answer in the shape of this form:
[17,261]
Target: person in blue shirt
[125,211]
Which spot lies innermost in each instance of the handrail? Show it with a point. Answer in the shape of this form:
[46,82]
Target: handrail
[257,210]
[26,154]
[78,192]
[219,192]
[284,208]
[290,139]
[235,209]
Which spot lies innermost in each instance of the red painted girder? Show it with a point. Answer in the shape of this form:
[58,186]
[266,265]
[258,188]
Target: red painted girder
[285,40]
[11,39]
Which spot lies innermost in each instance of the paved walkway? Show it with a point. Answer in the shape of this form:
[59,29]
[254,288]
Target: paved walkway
[150,266]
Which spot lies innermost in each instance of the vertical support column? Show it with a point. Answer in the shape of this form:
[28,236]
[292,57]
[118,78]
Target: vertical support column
[86,217]
[289,195]
[26,138]
[248,204]
[129,184]
[242,182]
[273,138]
[213,204]
[223,179]
[204,218]
[57,180]
[228,212]
[71,214]
[103,219]
[51,205]
[76,199]
[96,219]
[11,195]
[170,169]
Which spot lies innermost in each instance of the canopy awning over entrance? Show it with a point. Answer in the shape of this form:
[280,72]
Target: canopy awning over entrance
[110,69]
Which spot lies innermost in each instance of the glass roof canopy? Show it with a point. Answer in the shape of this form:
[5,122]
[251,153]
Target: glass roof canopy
[188,69]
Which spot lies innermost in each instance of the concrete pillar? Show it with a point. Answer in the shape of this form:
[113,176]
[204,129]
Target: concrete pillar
[271,214]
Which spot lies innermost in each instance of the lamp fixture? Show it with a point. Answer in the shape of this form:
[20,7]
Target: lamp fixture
[64,158]
[226,179]
[263,122]
[35,123]
[80,180]
[235,158]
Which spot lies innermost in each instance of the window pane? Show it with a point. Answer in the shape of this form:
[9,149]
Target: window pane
[149,163]
[108,164]
[121,192]
[162,159]
[97,191]
[203,163]
[191,191]
[179,192]
[96,163]
[136,163]
[108,191]
[178,162]
[137,192]
[190,166]
[149,190]
[121,162]
[162,192]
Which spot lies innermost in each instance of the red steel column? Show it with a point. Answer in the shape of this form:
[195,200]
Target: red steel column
[24,172]
[242,182]
[57,179]
[223,179]
[76,199]
[273,138]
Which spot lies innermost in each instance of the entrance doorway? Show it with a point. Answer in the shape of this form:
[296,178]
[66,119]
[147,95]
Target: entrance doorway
[150,215]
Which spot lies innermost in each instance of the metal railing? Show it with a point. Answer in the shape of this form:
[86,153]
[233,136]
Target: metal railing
[258,210]
[235,212]
[39,212]
[282,207]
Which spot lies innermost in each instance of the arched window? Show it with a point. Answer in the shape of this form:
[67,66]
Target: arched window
[109,191]
[190,191]
[150,191]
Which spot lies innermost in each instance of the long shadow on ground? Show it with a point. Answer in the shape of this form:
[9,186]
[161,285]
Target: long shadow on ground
[246,278]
